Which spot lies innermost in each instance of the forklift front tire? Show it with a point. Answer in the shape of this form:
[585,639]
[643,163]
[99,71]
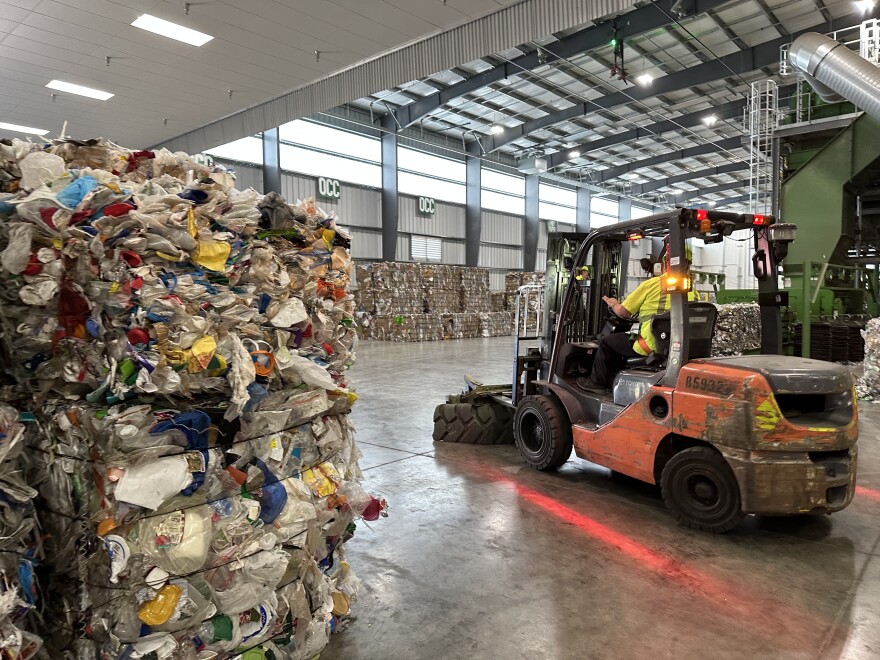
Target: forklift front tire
[699,487]
[542,432]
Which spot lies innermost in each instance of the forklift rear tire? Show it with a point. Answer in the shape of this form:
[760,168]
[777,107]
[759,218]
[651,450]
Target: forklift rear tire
[699,487]
[542,432]
[469,424]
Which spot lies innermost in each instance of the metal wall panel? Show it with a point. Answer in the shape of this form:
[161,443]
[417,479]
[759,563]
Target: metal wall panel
[453,252]
[501,228]
[500,256]
[365,244]
[295,187]
[358,206]
[403,247]
[541,261]
[506,28]
[448,219]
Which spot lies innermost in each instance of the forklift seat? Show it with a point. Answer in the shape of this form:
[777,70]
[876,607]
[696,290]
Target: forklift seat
[701,321]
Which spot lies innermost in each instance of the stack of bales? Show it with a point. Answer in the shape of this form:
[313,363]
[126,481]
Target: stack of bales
[424,302]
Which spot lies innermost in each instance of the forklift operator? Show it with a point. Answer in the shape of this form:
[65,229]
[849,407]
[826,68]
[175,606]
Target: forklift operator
[646,302]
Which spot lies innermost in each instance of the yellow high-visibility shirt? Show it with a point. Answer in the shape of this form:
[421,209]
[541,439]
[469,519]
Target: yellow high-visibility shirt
[647,301]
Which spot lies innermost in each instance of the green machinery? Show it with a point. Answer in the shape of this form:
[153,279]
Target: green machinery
[829,169]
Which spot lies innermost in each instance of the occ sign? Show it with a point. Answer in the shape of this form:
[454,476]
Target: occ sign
[329,188]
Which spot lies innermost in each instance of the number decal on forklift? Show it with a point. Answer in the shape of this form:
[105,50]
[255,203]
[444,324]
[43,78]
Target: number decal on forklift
[709,385]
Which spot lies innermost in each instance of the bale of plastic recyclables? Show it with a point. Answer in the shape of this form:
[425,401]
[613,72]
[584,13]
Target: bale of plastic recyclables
[20,543]
[737,329]
[183,348]
[868,385]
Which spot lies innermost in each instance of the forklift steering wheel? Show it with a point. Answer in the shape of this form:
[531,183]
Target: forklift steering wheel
[615,323]
[618,321]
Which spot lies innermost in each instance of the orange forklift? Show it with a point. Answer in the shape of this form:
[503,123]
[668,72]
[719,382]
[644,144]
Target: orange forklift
[724,437]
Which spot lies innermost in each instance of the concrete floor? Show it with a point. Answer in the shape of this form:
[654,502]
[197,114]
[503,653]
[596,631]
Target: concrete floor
[482,558]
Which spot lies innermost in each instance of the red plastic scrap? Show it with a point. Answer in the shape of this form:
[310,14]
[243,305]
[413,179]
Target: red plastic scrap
[73,309]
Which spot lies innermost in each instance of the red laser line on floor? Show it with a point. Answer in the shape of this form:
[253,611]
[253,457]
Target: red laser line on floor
[717,592]
[729,597]
[870,493]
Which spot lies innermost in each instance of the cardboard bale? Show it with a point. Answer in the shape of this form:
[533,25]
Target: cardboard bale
[406,327]
[364,300]
[363,277]
[495,324]
[475,296]
[441,276]
[441,301]
[499,301]
[465,325]
[515,279]
[474,279]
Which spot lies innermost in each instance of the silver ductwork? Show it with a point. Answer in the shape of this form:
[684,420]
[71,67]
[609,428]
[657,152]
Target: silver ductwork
[836,72]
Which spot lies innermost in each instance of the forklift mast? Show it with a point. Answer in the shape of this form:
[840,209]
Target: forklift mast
[561,250]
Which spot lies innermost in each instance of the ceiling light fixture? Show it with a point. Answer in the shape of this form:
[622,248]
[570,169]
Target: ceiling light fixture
[645,79]
[710,120]
[710,203]
[574,154]
[62,86]
[21,129]
[171,30]
[497,129]
[864,5]
[675,191]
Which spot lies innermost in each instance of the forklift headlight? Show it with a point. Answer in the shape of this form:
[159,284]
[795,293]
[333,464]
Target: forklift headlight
[673,283]
[784,233]
[780,236]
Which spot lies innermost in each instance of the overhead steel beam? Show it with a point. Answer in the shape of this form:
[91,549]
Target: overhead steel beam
[737,63]
[641,20]
[732,200]
[725,111]
[690,194]
[698,150]
[730,110]
[642,188]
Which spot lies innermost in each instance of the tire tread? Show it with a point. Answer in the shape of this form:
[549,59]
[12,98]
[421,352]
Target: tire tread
[473,424]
